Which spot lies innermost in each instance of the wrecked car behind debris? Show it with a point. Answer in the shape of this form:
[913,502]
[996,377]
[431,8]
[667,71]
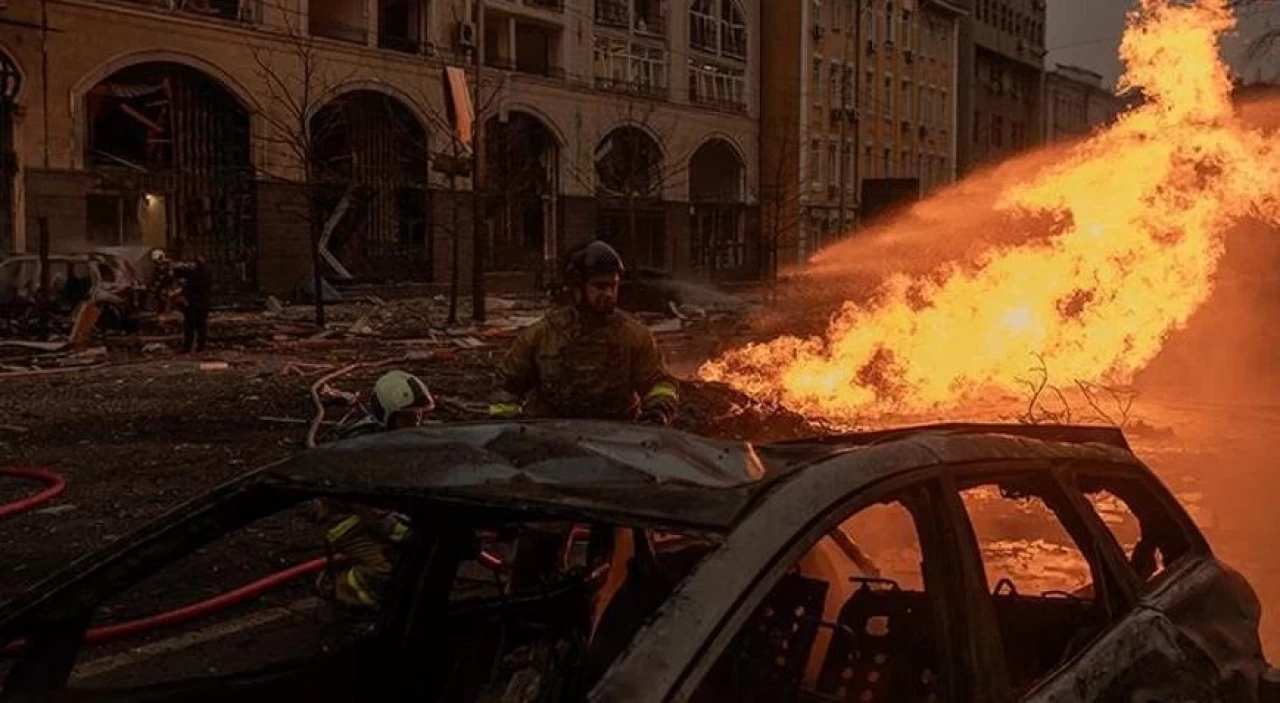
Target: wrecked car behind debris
[570,560]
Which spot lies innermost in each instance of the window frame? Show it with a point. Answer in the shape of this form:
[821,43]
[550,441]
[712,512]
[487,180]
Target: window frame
[1082,526]
[939,538]
[1198,547]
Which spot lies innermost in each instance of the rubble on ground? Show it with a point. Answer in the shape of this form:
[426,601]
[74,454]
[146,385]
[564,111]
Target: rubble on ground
[716,410]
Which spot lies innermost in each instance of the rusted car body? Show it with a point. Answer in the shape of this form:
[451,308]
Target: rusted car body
[689,569]
[105,279]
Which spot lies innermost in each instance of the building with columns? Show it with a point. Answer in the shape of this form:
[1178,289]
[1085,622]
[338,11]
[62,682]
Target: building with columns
[239,129]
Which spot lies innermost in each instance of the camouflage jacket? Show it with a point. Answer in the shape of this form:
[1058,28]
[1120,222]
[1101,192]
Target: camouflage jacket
[567,366]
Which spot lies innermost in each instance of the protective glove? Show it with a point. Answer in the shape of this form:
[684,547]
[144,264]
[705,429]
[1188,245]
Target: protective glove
[654,415]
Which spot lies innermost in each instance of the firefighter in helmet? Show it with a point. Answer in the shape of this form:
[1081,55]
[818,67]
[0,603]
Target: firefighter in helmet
[587,359]
[365,536]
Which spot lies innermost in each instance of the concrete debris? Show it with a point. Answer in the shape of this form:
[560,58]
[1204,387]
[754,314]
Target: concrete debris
[274,306]
[154,348]
[214,366]
[38,346]
[17,429]
[330,394]
[56,510]
[468,343]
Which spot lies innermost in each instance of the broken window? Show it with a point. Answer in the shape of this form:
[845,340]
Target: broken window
[400,25]
[704,26]
[323,609]
[178,136]
[718,86]
[1050,595]
[852,620]
[371,159]
[523,170]
[1150,535]
[629,163]
[548,601]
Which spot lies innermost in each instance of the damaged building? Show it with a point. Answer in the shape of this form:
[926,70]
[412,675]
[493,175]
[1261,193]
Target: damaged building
[241,132]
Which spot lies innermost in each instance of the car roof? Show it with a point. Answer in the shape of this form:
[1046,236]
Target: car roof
[649,474]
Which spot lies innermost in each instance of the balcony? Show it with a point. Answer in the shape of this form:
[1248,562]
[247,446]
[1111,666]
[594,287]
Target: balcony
[233,10]
[557,5]
[716,103]
[640,88]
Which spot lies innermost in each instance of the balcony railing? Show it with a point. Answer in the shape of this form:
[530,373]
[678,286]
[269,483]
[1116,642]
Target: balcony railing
[725,104]
[234,10]
[652,90]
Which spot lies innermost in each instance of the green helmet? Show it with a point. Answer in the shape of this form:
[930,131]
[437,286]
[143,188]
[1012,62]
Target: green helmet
[397,391]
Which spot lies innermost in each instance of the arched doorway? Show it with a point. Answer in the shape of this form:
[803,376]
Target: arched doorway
[10,84]
[371,156]
[629,183]
[717,234]
[171,150]
[524,188]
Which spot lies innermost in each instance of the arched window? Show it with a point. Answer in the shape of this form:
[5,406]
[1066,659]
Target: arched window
[718,27]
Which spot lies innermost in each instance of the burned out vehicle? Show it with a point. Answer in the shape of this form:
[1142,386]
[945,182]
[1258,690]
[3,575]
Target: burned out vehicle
[106,279]
[605,562]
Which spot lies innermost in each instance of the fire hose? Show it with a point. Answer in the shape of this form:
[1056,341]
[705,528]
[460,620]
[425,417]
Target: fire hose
[55,485]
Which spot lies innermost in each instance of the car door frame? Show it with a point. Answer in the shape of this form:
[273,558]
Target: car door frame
[54,620]
[670,657]
[1150,599]
[1085,528]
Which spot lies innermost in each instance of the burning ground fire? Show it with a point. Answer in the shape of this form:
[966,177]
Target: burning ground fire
[1136,218]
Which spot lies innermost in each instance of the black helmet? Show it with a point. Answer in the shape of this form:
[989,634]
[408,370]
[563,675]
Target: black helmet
[592,259]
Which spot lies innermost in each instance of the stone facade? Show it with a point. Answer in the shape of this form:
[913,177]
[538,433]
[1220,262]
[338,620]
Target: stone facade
[1007,89]
[183,121]
[855,92]
[1076,103]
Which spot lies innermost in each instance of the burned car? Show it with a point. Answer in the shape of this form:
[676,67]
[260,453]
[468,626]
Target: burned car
[104,279]
[596,561]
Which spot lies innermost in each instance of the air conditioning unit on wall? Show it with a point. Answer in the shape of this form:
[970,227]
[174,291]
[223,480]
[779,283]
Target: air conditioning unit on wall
[466,38]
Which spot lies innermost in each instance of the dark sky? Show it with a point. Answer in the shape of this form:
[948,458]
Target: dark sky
[1087,33]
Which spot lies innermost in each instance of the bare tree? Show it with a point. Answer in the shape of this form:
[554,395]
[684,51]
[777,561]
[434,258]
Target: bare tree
[297,81]
[628,166]
[450,155]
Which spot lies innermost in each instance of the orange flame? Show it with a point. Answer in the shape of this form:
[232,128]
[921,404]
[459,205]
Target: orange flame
[1139,215]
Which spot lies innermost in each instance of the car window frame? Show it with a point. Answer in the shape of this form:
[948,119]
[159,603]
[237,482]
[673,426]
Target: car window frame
[1197,546]
[959,670]
[67,608]
[1082,526]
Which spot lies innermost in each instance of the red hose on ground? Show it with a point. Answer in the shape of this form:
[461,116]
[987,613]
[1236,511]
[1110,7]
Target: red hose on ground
[108,633]
[54,486]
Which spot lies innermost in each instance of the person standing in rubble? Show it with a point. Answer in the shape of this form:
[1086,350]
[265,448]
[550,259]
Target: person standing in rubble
[587,359]
[197,292]
[368,537]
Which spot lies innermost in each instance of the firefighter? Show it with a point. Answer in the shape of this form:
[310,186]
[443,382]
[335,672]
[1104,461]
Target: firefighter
[197,294]
[163,283]
[368,537]
[587,359]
